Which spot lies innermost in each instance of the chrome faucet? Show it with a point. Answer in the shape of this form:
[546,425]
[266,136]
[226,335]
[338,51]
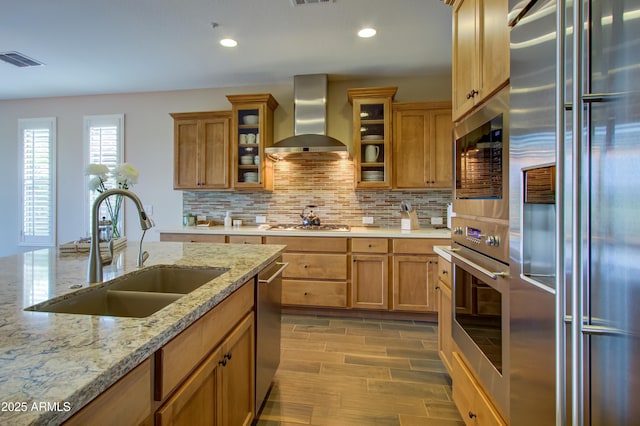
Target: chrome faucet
[94,273]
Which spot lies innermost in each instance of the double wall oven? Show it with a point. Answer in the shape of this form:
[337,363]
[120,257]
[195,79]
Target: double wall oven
[480,248]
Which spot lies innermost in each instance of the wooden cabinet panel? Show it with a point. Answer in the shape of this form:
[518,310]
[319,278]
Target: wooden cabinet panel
[418,245]
[317,265]
[310,244]
[370,245]
[314,293]
[370,282]
[471,400]
[422,145]
[255,137]
[445,316]
[372,133]
[444,272]
[194,403]
[245,239]
[201,150]
[238,375]
[192,238]
[480,52]
[173,362]
[128,401]
[441,149]
[220,391]
[414,283]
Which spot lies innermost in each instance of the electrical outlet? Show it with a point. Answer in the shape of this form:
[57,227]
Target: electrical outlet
[367,220]
[261,219]
[436,221]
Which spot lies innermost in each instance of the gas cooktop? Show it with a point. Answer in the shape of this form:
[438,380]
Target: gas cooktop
[300,227]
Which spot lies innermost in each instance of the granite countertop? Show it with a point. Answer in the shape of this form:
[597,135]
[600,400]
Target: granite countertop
[65,360]
[356,231]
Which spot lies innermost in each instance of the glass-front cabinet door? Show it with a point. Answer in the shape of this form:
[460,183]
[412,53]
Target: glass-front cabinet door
[372,136]
[251,132]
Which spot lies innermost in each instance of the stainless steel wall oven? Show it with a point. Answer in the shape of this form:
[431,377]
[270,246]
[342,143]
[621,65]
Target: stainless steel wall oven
[480,245]
[481,171]
[480,324]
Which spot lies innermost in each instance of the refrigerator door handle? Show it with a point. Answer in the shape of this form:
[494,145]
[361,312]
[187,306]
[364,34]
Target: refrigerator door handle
[601,97]
[602,330]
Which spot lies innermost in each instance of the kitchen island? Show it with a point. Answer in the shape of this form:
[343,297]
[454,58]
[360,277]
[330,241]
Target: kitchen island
[51,365]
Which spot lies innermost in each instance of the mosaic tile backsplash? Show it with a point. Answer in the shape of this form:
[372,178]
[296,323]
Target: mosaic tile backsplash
[328,184]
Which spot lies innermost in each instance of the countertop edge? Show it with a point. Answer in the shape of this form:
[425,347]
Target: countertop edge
[354,232]
[440,250]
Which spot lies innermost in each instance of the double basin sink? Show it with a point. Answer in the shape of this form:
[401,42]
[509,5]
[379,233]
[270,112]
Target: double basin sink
[137,294]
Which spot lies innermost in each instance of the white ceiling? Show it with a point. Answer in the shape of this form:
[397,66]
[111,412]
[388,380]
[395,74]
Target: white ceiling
[122,46]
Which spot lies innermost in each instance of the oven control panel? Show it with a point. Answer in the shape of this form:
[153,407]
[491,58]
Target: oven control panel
[486,237]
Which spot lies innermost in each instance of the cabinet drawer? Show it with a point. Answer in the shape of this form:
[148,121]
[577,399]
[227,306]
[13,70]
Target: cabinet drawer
[417,245]
[192,238]
[315,244]
[444,271]
[314,293]
[315,266]
[469,397]
[173,362]
[245,239]
[369,245]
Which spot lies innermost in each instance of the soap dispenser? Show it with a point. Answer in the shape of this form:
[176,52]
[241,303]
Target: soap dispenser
[227,220]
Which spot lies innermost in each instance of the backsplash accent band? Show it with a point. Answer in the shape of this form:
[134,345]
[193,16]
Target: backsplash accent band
[326,184]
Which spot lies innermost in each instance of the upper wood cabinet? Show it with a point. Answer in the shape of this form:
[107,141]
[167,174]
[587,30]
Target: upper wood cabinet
[201,150]
[422,145]
[480,52]
[372,136]
[251,132]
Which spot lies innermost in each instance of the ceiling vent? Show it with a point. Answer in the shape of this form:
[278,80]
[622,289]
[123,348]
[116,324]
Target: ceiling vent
[19,60]
[306,2]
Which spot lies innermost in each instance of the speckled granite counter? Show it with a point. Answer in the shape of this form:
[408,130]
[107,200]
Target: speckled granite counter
[53,364]
[356,231]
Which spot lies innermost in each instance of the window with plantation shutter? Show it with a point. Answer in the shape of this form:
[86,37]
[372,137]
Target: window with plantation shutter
[104,142]
[37,139]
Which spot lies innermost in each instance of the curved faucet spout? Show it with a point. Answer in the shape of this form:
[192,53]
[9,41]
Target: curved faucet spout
[94,273]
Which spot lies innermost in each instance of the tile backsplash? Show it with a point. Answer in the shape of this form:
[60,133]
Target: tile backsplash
[328,184]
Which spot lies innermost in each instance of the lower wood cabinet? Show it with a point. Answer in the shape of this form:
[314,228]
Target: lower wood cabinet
[370,273]
[220,391]
[473,403]
[445,313]
[414,284]
[317,273]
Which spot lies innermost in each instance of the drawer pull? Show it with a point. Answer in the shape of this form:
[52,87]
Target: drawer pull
[445,272]
[370,245]
[472,414]
[306,294]
[305,266]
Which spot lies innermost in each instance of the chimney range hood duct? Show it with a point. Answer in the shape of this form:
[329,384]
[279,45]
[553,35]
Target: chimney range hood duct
[310,116]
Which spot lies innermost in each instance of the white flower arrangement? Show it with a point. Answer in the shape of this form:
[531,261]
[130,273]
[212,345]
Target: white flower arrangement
[123,177]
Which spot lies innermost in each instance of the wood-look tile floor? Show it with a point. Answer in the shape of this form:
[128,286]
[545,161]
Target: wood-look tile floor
[350,371]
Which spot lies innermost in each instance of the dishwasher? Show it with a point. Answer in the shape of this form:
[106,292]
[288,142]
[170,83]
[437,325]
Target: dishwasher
[268,328]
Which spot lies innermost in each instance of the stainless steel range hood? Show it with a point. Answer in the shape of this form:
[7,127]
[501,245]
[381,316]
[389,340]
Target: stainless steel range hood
[310,116]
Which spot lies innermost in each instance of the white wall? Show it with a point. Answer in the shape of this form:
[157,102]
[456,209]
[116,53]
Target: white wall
[149,144]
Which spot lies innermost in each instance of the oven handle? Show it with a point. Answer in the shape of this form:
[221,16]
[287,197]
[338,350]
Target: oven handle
[490,274]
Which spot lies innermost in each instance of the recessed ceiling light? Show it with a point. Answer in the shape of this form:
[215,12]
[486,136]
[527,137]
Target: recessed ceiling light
[366,32]
[228,42]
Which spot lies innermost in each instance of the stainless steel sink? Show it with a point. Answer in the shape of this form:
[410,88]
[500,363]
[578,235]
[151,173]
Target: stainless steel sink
[137,294]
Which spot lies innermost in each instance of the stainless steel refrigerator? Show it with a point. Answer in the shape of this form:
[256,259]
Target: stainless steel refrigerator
[574,212]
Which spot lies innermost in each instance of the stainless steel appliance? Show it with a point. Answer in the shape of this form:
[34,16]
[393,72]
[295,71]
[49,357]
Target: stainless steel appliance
[480,325]
[575,126]
[268,328]
[481,173]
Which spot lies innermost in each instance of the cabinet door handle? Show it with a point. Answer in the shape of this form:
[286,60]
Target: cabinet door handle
[228,356]
[472,414]
[305,266]
[223,362]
